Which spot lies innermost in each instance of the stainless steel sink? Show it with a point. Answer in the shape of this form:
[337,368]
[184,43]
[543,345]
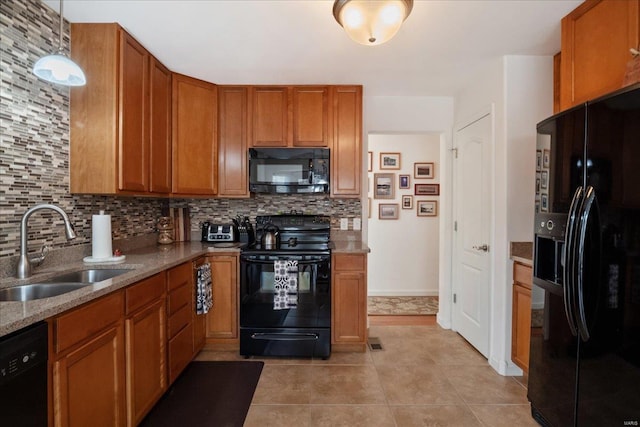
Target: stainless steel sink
[87,276]
[38,291]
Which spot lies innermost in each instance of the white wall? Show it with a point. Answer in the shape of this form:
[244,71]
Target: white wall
[520,91]
[404,255]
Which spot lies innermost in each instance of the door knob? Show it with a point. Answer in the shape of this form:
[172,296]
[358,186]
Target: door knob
[483,248]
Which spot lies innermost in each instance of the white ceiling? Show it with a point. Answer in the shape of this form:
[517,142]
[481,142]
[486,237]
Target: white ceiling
[299,42]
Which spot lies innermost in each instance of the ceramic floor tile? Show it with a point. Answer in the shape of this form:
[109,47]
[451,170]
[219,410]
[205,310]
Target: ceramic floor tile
[346,385]
[483,385]
[399,351]
[416,385]
[283,384]
[278,416]
[346,359]
[434,415]
[351,416]
[211,356]
[455,352]
[504,415]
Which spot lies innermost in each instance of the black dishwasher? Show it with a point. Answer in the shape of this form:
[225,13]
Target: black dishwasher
[23,377]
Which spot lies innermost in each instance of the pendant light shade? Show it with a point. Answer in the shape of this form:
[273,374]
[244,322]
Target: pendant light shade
[371,22]
[58,67]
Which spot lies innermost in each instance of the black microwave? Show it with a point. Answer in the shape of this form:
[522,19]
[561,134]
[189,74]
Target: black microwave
[289,170]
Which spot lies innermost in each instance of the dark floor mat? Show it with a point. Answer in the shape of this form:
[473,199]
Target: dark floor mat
[208,394]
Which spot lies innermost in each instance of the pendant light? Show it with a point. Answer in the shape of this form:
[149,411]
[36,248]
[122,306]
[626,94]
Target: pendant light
[371,22]
[58,67]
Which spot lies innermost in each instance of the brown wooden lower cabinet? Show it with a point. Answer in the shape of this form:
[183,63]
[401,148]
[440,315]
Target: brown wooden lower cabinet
[146,337]
[88,361]
[180,294]
[349,302]
[521,315]
[222,320]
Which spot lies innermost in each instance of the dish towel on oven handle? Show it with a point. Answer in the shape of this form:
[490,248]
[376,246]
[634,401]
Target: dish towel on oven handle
[285,284]
[204,289]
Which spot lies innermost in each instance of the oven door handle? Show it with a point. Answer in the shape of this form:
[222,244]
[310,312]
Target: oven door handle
[284,336]
[270,262]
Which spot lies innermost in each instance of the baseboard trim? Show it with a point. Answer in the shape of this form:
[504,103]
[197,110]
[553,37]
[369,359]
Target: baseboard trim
[402,293]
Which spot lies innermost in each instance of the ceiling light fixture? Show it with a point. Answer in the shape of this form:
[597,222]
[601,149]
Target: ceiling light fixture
[371,22]
[57,67]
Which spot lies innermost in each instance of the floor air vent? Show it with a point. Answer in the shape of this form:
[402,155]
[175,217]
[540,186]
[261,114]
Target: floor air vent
[374,344]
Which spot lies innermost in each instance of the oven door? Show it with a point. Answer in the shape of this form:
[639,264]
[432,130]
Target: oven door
[257,292]
[268,329]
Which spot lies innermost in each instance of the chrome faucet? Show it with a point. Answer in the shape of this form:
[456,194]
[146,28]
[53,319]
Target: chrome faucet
[24,263]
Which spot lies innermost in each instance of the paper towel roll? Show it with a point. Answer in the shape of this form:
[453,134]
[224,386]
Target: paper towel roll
[101,236]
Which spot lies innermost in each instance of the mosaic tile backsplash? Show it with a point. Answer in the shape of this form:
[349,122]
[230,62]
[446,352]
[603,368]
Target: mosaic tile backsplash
[34,153]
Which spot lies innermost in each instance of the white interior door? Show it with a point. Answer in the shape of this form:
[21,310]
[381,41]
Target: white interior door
[472,213]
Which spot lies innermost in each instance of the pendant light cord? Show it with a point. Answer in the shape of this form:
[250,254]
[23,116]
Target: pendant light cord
[61,25]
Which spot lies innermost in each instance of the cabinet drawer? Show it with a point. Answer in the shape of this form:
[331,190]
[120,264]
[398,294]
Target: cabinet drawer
[350,263]
[180,352]
[86,321]
[143,292]
[179,276]
[179,320]
[522,274]
[178,298]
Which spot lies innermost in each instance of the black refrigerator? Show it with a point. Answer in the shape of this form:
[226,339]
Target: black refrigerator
[584,365]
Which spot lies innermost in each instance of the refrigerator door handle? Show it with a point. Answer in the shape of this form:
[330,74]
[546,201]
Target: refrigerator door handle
[569,259]
[589,202]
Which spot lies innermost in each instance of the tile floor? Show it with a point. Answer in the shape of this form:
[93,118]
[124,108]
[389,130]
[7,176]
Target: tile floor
[424,376]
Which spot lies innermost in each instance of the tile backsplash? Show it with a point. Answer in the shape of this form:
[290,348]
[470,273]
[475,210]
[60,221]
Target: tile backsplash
[34,153]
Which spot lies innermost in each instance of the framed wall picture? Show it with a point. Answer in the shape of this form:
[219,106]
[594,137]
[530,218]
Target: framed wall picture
[423,170]
[427,207]
[427,190]
[538,160]
[407,202]
[544,203]
[405,181]
[389,160]
[388,211]
[544,180]
[370,161]
[546,159]
[383,186]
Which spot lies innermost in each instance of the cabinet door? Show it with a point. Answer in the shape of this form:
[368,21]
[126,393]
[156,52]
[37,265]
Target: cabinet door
[521,326]
[233,116]
[146,339]
[349,300]
[270,121]
[311,116]
[195,154]
[133,144]
[346,155]
[160,127]
[89,382]
[596,38]
[222,320]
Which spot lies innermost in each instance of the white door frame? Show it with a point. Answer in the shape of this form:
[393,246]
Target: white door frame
[487,111]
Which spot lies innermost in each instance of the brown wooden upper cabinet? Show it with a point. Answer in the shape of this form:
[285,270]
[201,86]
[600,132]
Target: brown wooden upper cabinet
[194,128]
[290,116]
[233,141]
[346,150]
[596,38]
[113,116]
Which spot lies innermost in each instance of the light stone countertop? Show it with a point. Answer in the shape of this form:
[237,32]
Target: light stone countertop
[143,262]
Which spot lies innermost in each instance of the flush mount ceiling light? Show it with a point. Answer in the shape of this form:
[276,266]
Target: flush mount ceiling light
[371,22]
[57,67]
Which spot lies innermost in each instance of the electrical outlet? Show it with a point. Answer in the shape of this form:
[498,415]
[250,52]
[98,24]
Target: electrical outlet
[344,223]
[356,224]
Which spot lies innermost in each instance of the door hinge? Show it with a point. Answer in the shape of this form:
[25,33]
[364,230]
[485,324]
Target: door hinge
[454,298]
[455,225]
[455,153]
